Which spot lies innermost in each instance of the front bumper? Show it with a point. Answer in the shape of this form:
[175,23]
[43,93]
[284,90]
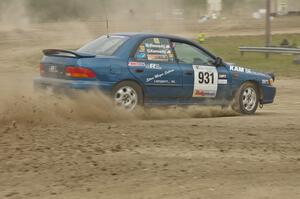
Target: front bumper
[63,84]
[269,93]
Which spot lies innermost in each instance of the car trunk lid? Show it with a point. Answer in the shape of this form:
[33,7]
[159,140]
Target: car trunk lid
[56,61]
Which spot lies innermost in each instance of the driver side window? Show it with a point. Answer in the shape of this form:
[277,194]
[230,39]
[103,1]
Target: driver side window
[192,55]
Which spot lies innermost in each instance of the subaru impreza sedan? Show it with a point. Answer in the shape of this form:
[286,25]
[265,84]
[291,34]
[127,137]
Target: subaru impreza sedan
[143,69]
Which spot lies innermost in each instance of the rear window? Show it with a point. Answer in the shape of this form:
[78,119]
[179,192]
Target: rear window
[104,45]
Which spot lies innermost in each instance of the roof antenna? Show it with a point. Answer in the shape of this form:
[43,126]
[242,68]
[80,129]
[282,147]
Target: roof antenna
[106,19]
[107,28]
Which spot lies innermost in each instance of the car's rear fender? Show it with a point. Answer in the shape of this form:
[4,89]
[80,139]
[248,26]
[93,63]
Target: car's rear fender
[111,69]
[101,65]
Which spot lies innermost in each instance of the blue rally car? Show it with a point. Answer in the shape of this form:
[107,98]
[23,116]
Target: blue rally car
[155,69]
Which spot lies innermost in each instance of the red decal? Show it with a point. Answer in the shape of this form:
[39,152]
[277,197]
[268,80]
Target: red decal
[136,64]
[199,93]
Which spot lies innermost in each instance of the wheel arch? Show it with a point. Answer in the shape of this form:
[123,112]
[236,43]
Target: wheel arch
[258,86]
[131,80]
[256,83]
[236,105]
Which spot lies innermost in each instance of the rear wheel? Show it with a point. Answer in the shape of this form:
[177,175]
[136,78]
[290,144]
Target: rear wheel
[128,95]
[246,99]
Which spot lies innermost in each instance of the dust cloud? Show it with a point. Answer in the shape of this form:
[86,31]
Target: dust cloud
[28,107]
[33,108]
[13,15]
[178,112]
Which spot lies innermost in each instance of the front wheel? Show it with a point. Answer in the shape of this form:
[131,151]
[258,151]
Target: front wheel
[246,99]
[128,95]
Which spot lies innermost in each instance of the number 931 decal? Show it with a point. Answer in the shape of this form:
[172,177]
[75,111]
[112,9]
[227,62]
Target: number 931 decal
[205,81]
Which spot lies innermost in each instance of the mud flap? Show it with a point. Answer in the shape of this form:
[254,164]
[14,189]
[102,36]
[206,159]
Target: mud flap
[261,104]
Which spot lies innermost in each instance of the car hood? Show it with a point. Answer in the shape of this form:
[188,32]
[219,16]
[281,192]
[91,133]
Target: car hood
[235,68]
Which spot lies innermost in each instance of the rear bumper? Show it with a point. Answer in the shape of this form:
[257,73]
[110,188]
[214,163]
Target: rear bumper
[62,84]
[269,93]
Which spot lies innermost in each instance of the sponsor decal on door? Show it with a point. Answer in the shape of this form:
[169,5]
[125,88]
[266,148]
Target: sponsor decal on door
[205,81]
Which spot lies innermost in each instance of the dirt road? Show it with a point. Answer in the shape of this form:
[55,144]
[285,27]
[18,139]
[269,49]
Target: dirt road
[193,156]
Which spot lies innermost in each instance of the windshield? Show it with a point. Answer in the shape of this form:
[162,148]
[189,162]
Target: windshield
[104,45]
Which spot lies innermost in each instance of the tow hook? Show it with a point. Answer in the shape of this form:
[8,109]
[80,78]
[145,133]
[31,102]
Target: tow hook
[261,104]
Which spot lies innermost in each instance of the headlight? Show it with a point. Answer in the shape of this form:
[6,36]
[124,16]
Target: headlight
[268,82]
[271,81]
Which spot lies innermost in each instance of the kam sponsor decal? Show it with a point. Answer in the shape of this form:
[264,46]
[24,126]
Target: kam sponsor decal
[238,69]
[242,69]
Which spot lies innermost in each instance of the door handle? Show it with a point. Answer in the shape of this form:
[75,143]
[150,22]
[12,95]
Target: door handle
[139,70]
[189,73]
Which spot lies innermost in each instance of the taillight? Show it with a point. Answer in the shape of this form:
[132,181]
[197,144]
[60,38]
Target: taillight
[42,69]
[79,72]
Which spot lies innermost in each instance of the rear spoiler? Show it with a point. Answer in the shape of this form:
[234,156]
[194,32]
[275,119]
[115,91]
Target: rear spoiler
[66,53]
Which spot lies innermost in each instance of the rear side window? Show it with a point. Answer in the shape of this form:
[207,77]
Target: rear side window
[155,49]
[104,45]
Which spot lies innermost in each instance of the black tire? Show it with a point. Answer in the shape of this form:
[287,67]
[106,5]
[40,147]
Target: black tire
[129,88]
[243,102]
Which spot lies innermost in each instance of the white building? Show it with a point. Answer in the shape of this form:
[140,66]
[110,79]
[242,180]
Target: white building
[214,7]
[283,7]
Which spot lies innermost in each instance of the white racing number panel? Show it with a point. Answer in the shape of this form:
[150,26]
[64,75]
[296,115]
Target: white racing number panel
[205,81]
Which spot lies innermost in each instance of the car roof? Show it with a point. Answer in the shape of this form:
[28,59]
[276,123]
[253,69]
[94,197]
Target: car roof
[144,34]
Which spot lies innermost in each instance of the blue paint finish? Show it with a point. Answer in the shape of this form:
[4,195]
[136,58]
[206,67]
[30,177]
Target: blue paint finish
[187,79]
[44,82]
[224,90]
[268,94]
[163,83]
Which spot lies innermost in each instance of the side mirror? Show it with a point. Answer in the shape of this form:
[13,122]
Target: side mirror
[219,61]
